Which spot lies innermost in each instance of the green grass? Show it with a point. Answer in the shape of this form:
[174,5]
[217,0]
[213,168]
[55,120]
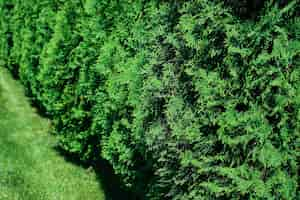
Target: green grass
[30,168]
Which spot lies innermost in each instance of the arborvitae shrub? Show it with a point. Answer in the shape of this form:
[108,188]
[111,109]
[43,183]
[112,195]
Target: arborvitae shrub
[185,99]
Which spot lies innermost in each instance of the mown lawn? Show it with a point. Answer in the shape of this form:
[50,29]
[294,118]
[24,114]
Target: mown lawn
[30,168]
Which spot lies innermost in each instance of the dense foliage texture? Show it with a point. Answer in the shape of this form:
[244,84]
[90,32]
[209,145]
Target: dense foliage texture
[186,99]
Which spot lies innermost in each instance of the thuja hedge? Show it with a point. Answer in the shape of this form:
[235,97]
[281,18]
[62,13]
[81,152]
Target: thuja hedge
[185,99]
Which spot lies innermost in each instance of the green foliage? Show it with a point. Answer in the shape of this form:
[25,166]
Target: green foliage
[186,100]
[31,169]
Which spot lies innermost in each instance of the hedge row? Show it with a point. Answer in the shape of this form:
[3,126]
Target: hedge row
[185,99]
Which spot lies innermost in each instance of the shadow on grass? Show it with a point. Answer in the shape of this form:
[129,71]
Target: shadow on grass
[110,182]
